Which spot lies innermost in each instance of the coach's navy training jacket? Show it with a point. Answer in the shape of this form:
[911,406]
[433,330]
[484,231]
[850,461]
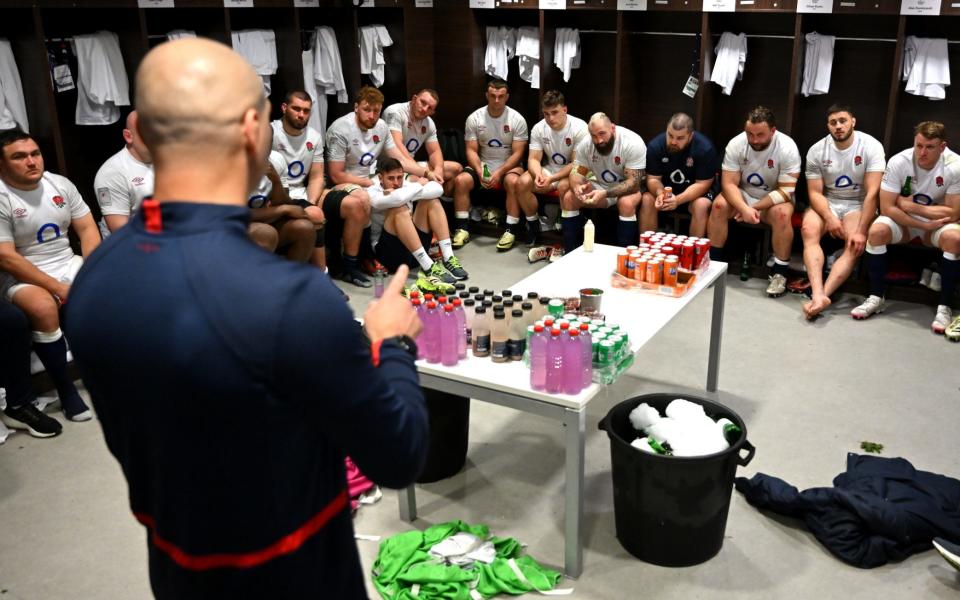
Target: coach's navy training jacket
[230,384]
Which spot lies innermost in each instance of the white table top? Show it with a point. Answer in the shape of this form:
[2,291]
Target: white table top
[641,314]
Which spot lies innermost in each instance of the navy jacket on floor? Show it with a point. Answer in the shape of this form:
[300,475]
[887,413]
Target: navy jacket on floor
[230,384]
[879,510]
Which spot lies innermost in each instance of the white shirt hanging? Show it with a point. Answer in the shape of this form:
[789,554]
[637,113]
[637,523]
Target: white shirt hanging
[102,84]
[731,59]
[528,51]
[566,51]
[501,47]
[13,110]
[373,39]
[926,67]
[817,64]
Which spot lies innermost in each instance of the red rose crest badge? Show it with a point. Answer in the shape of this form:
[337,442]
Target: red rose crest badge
[769,163]
[58,201]
[689,161]
[310,146]
[376,139]
[423,129]
[939,182]
[616,160]
[506,129]
[858,160]
[568,141]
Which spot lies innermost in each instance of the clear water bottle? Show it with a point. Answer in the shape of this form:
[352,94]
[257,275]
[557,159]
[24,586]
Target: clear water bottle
[553,381]
[449,336]
[481,333]
[470,314]
[538,358]
[586,361]
[378,277]
[431,332]
[461,328]
[572,357]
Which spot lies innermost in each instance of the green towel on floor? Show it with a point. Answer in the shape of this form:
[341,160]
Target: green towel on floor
[404,569]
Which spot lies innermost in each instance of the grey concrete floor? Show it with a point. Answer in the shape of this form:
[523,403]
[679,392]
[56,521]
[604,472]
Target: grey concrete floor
[809,393]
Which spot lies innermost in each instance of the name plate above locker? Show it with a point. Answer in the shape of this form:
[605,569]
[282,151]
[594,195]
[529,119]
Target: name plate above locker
[766,5]
[864,7]
[675,5]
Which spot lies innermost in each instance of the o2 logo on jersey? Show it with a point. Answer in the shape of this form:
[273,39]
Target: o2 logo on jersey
[295,169]
[40,232]
[843,182]
[367,159]
[939,181]
[608,177]
[495,143]
[678,177]
[412,145]
[58,201]
[558,159]
[923,199]
[258,201]
[756,180]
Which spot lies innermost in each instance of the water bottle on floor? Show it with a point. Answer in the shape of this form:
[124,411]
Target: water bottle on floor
[449,336]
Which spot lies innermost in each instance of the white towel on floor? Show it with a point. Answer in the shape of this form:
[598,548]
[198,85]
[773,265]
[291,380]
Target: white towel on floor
[373,39]
[817,64]
[327,67]
[501,47]
[926,67]
[102,84]
[566,51]
[13,109]
[731,58]
[528,51]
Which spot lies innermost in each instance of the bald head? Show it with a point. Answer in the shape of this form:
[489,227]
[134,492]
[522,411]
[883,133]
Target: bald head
[192,95]
[134,142]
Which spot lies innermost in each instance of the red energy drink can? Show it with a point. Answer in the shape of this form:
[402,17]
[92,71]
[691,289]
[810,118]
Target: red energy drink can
[645,237]
[702,251]
[686,256]
[670,249]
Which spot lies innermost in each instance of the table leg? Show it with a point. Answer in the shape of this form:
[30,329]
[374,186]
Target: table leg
[408,503]
[716,329]
[573,496]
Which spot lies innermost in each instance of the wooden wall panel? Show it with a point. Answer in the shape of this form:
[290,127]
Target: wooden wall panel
[207,22]
[419,25]
[394,87]
[458,63]
[342,22]
[289,73]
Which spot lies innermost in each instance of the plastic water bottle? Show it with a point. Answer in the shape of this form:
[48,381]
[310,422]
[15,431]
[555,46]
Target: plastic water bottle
[449,336]
[554,375]
[418,306]
[378,283]
[461,328]
[572,357]
[470,316]
[431,332]
[586,360]
[588,235]
[481,333]
[538,358]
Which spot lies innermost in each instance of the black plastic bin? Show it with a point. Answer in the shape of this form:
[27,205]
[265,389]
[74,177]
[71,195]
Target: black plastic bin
[449,434]
[671,511]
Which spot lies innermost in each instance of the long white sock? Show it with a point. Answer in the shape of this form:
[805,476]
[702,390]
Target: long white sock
[511,220]
[446,248]
[421,255]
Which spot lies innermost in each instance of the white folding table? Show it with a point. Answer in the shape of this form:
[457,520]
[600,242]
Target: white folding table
[641,314]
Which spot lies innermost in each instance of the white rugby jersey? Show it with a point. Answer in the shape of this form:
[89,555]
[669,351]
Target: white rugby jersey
[414,133]
[358,149]
[495,137]
[842,171]
[37,221]
[558,146]
[122,183]
[629,152]
[759,171]
[300,152]
[260,197]
[926,187]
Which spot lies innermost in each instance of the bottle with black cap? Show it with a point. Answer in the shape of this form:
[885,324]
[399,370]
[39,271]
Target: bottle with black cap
[481,333]
[517,340]
[499,334]
[473,290]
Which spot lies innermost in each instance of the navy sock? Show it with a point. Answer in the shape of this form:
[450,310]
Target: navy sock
[53,355]
[779,269]
[716,253]
[949,269]
[463,224]
[351,263]
[627,232]
[572,232]
[877,272]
